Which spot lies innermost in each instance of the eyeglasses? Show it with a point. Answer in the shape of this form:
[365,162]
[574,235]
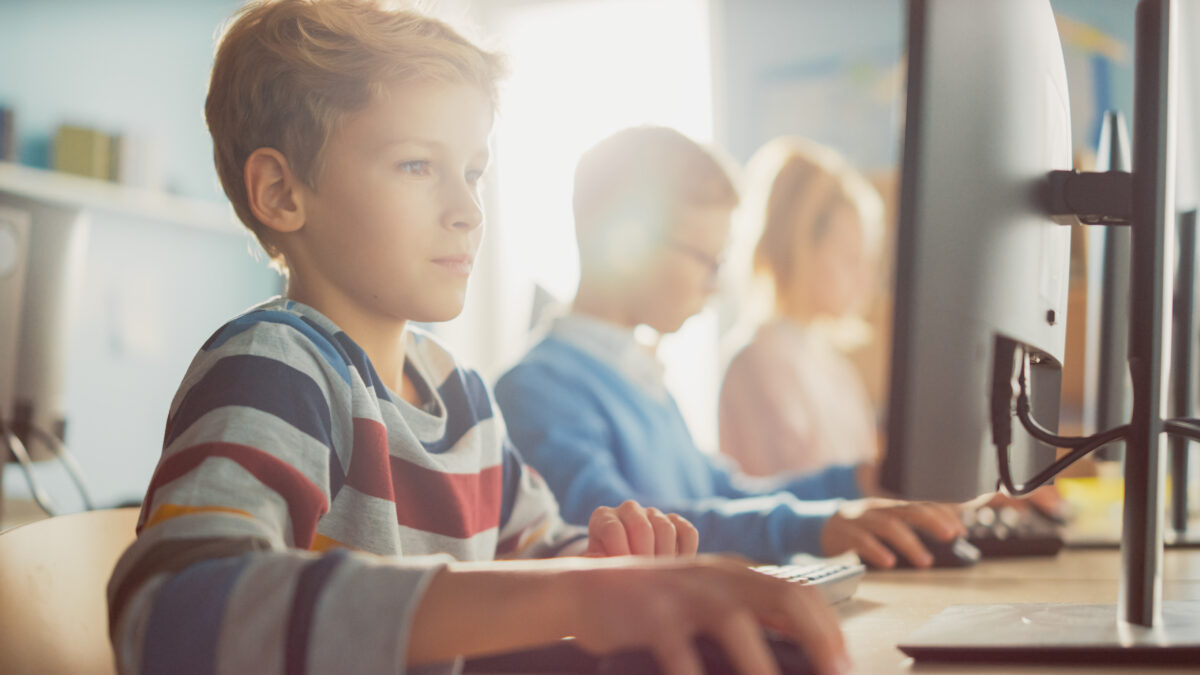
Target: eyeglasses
[713,264]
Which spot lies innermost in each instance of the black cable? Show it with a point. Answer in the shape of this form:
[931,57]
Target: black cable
[16,449]
[68,462]
[1095,443]
[1181,428]
[1081,445]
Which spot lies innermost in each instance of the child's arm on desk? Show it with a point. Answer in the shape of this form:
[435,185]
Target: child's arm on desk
[622,603]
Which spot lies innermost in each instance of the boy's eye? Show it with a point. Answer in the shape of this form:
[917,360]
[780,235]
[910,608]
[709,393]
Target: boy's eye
[473,177]
[415,167]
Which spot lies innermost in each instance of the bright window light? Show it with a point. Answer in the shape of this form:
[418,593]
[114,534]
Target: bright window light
[579,71]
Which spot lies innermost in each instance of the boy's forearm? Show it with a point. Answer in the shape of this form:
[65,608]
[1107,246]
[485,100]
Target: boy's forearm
[473,609]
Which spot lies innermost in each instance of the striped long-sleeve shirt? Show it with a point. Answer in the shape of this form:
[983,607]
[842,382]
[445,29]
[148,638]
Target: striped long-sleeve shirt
[300,507]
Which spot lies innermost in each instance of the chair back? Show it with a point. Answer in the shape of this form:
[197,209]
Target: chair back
[53,575]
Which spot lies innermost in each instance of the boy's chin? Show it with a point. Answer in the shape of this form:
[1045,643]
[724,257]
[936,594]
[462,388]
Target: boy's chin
[438,314]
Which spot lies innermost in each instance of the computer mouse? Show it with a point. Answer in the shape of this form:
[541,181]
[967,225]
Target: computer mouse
[790,659]
[957,552]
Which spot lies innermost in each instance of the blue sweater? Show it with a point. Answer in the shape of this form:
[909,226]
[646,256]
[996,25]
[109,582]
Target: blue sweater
[598,440]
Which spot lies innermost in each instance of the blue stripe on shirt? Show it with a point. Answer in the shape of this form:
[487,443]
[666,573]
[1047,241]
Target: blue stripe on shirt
[261,383]
[320,338]
[185,621]
[304,601]
[467,404]
[512,481]
[358,358]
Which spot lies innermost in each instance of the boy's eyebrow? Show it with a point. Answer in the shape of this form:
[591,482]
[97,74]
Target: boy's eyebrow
[484,154]
[412,141]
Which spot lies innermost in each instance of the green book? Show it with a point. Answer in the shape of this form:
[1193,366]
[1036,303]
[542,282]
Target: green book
[82,151]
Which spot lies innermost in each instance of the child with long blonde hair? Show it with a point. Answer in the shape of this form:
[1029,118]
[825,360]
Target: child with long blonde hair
[792,401]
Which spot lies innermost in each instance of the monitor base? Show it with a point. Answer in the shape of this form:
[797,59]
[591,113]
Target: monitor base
[1055,633]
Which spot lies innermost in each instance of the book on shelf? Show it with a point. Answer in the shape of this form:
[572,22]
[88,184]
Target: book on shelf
[8,135]
[135,162]
[83,151]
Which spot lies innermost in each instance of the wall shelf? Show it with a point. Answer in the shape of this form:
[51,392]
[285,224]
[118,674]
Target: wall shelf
[90,194]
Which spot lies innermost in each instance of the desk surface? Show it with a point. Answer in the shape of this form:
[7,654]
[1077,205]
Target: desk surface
[891,605]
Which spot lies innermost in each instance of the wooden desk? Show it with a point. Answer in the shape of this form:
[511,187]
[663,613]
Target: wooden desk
[890,605]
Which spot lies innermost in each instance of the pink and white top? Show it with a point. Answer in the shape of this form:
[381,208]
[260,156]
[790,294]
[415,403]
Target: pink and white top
[791,403]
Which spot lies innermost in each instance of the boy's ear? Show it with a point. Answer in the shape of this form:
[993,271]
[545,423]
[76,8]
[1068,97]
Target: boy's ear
[274,191]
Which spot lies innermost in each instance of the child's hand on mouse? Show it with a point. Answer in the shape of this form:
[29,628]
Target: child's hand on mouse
[631,529]
[878,529]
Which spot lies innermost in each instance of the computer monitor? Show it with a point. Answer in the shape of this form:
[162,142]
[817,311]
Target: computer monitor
[987,117]
[42,250]
[982,275]
[14,250]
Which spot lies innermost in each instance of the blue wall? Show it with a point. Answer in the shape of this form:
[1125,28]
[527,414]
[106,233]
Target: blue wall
[153,291]
[842,59]
[119,65]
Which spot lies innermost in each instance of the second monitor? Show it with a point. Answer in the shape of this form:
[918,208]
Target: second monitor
[987,118]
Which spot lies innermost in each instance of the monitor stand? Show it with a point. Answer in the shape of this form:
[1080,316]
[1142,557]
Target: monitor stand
[1056,633]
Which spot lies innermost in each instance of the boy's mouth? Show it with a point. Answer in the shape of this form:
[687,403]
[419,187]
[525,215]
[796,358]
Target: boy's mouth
[457,264]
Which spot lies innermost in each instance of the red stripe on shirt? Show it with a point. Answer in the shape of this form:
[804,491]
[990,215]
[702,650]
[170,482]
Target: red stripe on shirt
[306,502]
[450,504]
[508,545]
[370,472]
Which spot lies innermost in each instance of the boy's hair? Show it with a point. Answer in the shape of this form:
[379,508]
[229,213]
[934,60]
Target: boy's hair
[288,71]
[628,185]
[809,183]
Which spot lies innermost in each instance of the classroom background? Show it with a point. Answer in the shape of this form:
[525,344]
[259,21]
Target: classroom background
[733,73]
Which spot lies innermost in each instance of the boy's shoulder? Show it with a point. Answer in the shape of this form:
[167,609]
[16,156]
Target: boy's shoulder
[283,323]
[293,328]
[281,331]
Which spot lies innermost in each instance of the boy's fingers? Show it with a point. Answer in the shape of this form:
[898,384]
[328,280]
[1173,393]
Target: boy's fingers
[687,537]
[745,646]
[850,535]
[677,656]
[895,533]
[606,534]
[664,532]
[638,529]
[942,520]
[814,627]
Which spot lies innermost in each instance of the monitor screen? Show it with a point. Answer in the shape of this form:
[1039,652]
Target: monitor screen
[987,118]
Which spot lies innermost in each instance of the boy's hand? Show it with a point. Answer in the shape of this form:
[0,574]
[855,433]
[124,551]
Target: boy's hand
[631,529]
[864,525]
[663,606]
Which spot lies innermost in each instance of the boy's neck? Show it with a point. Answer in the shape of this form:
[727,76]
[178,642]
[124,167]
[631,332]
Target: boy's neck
[596,303]
[382,338]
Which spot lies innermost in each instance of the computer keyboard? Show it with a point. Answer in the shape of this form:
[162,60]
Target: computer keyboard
[1009,532]
[835,578]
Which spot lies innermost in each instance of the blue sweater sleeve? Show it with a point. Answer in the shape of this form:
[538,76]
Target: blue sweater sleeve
[835,482]
[561,431]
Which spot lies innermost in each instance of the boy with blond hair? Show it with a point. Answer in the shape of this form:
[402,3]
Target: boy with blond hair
[333,485]
[589,409]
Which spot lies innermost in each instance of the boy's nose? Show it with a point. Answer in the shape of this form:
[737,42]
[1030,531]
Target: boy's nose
[467,212]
